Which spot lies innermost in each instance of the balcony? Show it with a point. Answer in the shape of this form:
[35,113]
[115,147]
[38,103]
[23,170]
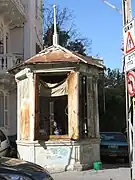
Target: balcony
[13,12]
[7,61]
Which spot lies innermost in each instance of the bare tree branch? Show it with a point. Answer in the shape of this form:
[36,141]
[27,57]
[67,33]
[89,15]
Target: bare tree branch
[66,25]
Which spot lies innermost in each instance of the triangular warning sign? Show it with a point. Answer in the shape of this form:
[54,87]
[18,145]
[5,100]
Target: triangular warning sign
[130,46]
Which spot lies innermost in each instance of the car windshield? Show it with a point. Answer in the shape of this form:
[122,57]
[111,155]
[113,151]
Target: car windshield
[112,137]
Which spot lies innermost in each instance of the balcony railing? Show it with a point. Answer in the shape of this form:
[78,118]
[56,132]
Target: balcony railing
[7,61]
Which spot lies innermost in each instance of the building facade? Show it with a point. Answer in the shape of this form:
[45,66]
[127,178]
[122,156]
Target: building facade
[20,38]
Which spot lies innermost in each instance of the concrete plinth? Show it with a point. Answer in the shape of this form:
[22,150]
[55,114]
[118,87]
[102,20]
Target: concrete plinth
[58,156]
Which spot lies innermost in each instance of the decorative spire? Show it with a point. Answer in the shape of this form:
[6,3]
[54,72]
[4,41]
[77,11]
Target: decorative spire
[55,35]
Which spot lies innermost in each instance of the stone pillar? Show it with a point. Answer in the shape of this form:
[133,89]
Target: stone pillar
[89,106]
[96,110]
[24,101]
[73,105]
[30,77]
[92,104]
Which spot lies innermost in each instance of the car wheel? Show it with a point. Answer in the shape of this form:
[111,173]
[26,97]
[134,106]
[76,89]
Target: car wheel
[126,159]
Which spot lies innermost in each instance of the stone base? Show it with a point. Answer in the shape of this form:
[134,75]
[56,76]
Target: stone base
[59,156]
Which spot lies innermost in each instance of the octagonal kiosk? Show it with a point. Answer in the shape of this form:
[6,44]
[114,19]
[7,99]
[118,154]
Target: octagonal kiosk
[57,109]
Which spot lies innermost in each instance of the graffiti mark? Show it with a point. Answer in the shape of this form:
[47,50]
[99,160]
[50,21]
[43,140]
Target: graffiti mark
[60,152]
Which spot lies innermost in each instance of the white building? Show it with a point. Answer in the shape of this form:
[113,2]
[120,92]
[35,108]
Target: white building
[20,38]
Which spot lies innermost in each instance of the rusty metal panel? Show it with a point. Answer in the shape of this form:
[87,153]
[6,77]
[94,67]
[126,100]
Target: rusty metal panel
[73,105]
[24,111]
[57,55]
[61,55]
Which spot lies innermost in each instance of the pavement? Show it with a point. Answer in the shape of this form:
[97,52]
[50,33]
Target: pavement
[108,172]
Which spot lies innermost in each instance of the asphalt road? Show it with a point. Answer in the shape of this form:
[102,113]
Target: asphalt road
[115,171]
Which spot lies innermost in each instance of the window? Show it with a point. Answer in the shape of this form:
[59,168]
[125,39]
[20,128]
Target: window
[3,109]
[52,120]
[1,41]
[7,43]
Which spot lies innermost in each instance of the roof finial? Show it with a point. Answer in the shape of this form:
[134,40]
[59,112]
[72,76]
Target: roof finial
[55,35]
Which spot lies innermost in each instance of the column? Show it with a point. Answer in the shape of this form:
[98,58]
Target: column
[96,110]
[32,104]
[90,106]
[73,105]
[29,30]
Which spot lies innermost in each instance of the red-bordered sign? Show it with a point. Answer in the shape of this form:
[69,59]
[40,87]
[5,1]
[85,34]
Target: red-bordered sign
[130,45]
[131,83]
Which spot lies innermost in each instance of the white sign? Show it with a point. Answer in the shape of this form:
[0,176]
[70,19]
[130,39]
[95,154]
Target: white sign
[129,45]
[130,61]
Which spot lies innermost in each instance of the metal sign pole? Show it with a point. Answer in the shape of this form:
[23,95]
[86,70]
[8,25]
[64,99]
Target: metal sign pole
[133,144]
[127,17]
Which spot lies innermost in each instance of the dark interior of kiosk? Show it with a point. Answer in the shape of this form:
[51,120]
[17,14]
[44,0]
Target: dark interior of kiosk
[53,110]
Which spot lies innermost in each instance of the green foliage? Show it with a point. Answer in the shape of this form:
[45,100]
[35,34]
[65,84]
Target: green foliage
[63,36]
[114,116]
[77,46]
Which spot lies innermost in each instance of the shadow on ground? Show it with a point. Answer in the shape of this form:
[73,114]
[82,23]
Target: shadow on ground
[113,163]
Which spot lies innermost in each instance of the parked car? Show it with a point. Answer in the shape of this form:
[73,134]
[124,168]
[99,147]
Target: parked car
[16,169]
[114,144]
[4,144]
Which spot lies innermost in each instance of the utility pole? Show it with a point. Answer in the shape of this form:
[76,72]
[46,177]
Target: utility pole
[130,113]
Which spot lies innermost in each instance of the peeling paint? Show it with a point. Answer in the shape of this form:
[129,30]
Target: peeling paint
[73,105]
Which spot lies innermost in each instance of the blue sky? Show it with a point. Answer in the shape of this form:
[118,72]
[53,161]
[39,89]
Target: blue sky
[100,23]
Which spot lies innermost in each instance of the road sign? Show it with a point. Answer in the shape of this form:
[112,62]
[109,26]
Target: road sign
[131,83]
[129,45]
[129,37]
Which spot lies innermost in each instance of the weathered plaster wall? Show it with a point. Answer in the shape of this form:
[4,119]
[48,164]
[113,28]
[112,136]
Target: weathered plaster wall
[73,111]
[25,105]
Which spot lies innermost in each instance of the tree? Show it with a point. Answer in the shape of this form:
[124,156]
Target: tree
[63,37]
[68,36]
[114,117]
[77,46]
